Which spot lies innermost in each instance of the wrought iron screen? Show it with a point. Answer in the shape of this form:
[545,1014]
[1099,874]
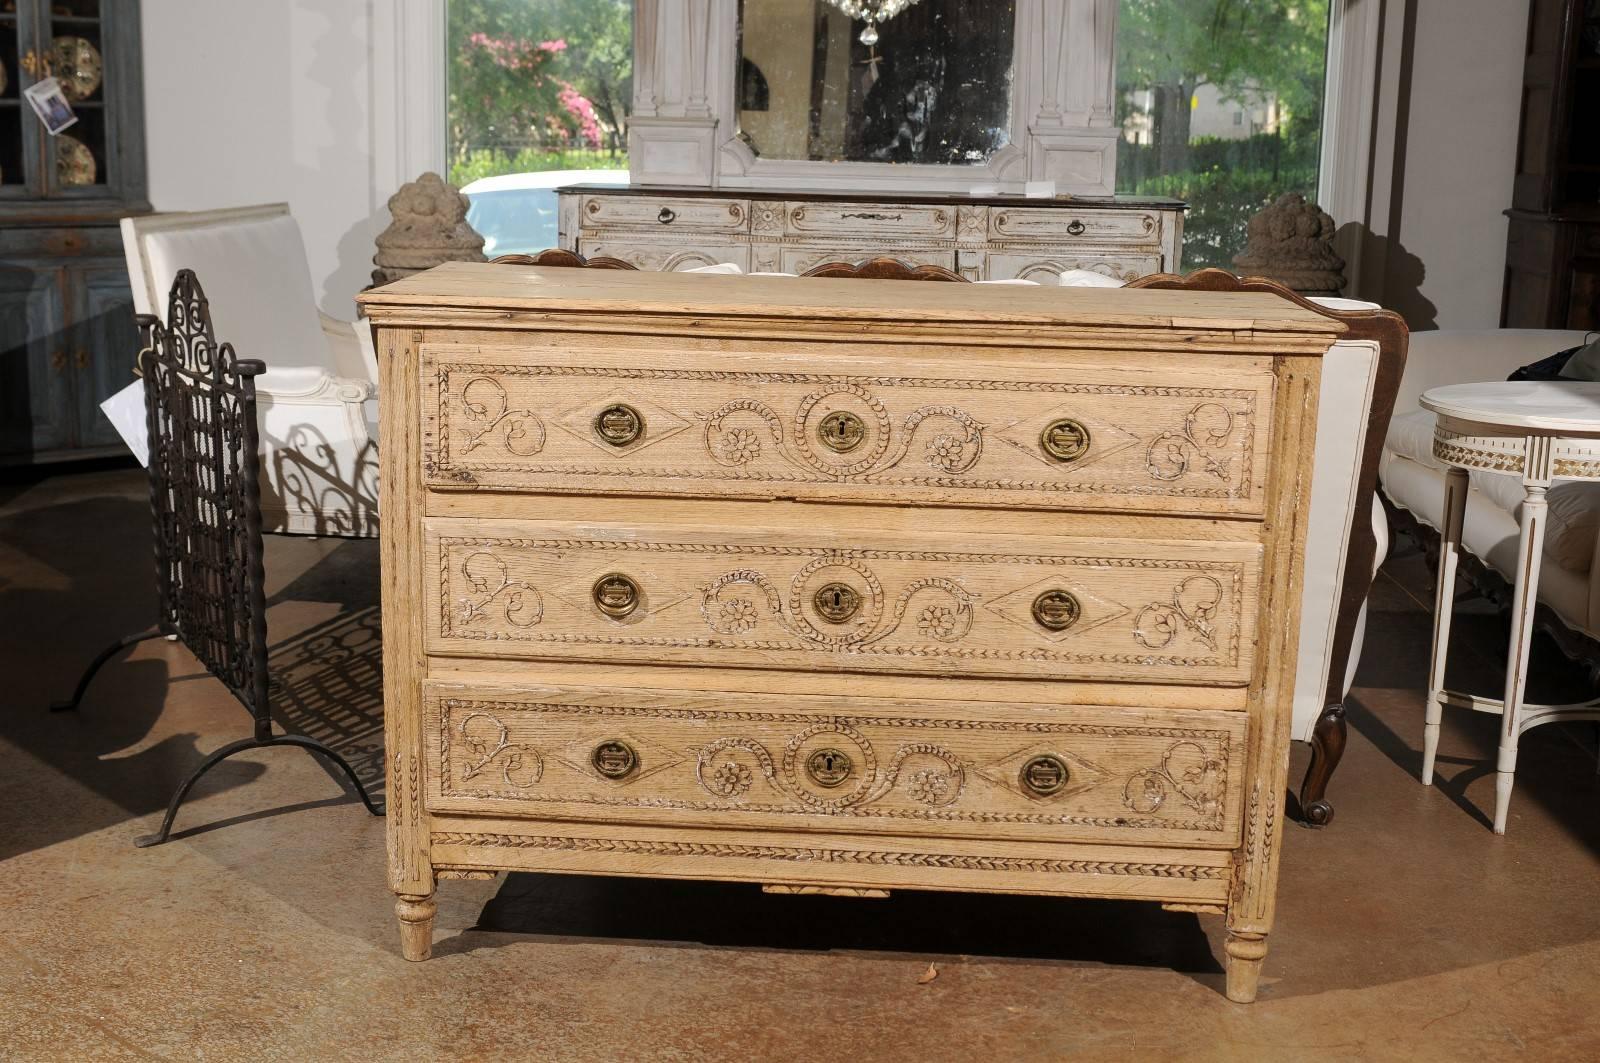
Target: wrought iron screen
[200,408]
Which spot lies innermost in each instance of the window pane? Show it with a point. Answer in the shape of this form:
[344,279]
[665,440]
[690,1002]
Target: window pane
[537,88]
[1220,103]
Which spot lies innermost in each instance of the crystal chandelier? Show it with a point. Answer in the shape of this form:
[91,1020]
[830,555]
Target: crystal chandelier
[871,12]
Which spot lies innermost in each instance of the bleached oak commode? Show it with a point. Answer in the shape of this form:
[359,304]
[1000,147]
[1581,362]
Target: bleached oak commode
[1543,431]
[843,586]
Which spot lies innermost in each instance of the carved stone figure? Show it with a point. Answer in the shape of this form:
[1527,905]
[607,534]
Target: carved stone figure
[429,227]
[1291,242]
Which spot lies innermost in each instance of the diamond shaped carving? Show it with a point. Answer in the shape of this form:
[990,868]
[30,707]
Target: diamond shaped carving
[1006,772]
[1106,439]
[579,593]
[659,422]
[650,757]
[1017,607]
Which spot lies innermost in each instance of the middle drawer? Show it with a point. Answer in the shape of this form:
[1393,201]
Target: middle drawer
[843,599]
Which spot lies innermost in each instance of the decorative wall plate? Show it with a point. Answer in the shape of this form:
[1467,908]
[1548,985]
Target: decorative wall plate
[75,165]
[77,65]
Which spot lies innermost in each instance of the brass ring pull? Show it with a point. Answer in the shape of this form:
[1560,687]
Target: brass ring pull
[614,759]
[841,431]
[1056,610]
[828,767]
[1044,774]
[1075,229]
[836,602]
[619,425]
[1065,439]
[667,216]
[616,595]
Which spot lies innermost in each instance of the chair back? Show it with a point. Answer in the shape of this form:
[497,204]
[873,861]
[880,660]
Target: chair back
[884,268]
[254,262]
[555,256]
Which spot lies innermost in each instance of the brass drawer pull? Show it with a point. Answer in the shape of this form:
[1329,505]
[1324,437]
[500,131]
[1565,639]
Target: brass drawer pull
[1044,774]
[1056,610]
[619,425]
[1064,439]
[614,759]
[616,595]
[841,431]
[1075,228]
[836,602]
[828,767]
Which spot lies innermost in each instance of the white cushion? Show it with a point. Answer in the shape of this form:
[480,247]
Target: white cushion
[1087,278]
[720,267]
[1574,514]
[1013,280]
[258,284]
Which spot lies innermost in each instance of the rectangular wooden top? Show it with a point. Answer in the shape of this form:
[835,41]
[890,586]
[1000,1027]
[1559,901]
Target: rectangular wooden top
[482,286]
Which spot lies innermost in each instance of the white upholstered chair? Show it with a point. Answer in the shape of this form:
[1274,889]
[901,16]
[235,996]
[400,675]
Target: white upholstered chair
[317,401]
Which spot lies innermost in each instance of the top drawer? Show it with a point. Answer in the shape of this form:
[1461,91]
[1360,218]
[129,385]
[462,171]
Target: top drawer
[656,213]
[876,221]
[1155,435]
[1057,225]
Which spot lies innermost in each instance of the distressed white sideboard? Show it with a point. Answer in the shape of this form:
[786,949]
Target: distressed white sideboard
[982,237]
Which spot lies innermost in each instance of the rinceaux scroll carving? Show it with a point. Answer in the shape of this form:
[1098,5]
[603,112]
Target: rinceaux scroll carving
[488,744]
[1187,772]
[741,431]
[487,405]
[728,768]
[520,602]
[1206,427]
[1193,607]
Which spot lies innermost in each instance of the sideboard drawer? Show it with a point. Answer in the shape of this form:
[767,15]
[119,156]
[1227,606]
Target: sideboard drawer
[842,598]
[1125,265]
[665,256]
[880,221]
[1063,226]
[667,215]
[1182,435]
[753,761]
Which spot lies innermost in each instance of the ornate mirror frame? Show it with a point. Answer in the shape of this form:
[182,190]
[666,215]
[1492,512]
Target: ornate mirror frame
[684,128]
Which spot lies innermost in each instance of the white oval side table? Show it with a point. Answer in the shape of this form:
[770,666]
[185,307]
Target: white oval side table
[1544,431]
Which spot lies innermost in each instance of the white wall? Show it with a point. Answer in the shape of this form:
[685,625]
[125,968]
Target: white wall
[256,101]
[1438,245]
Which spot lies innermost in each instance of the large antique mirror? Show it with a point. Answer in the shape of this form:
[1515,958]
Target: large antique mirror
[928,82]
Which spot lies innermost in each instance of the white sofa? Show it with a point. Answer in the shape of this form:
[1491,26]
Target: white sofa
[1413,479]
[316,403]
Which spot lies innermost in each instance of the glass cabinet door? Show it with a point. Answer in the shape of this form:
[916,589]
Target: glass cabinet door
[73,39]
[19,140]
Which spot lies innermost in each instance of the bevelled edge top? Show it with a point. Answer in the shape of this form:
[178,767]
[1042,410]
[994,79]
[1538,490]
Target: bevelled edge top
[485,287]
[1544,405]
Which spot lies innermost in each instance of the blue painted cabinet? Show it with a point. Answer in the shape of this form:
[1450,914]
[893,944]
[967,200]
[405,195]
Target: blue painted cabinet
[67,338]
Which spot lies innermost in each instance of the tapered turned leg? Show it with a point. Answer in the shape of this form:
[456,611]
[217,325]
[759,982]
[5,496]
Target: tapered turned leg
[1530,551]
[1327,749]
[1246,953]
[416,926]
[1444,598]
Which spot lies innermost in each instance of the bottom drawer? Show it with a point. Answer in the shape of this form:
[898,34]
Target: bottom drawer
[837,764]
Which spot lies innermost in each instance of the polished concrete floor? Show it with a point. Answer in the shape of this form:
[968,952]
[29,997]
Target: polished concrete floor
[264,930]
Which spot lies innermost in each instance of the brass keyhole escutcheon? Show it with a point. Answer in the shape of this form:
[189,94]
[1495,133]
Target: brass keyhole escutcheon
[1044,775]
[1056,610]
[836,602]
[614,759]
[841,431]
[619,425]
[828,767]
[615,594]
[1064,439]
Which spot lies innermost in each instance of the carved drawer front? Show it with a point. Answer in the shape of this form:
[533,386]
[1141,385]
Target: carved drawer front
[837,764]
[1122,265]
[668,216]
[843,598]
[1185,437]
[1060,225]
[667,256]
[856,221]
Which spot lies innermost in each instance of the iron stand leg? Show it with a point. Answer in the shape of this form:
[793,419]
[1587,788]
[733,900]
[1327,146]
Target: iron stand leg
[95,665]
[147,840]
